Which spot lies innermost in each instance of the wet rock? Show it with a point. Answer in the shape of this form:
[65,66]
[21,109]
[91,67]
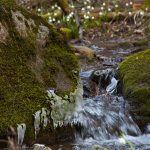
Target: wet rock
[41,147]
[42,36]
[109,62]
[22,24]
[135,73]
[99,80]
[96,48]
[85,52]
[122,51]
[27,72]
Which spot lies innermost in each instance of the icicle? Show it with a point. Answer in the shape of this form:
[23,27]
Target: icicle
[21,128]
[37,121]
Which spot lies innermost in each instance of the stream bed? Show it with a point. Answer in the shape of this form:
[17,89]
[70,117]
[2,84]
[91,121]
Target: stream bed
[103,120]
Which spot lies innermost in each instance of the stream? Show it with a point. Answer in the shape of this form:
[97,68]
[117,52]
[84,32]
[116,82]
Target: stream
[103,120]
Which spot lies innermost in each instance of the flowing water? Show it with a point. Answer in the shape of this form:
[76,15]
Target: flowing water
[103,120]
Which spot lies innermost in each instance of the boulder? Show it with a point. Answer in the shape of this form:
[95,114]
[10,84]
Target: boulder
[135,75]
[34,57]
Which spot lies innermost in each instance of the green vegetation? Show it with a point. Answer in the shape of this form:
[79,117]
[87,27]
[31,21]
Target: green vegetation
[135,72]
[27,70]
[146,4]
[96,21]
[142,42]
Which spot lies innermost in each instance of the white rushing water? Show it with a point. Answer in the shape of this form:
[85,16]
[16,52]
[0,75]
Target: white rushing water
[101,122]
[104,122]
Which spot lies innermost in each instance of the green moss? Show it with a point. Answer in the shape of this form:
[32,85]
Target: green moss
[135,72]
[142,42]
[146,4]
[61,58]
[21,92]
[66,32]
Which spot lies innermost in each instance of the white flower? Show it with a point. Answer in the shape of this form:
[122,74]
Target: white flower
[102,8]
[85,3]
[104,4]
[130,13]
[88,1]
[116,6]
[59,8]
[109,9]
[88,7]
[50,20]
[72,6]
[39,10]
[131,3]
[55,14]
[53,7]
[87,17]
[54,19]
[56,5]
[92,8]
[146,9]
[127,4]
[83,9]
[72,13]
[93,17]
[122,140]
[88,12]
[68,18]
[142,13]
[58,21]
[100,13]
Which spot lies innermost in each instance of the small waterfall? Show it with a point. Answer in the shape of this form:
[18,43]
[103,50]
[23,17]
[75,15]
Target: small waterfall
[104,119]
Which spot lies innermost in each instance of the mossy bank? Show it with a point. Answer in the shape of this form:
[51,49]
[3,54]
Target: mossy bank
[33,58]
[135,73]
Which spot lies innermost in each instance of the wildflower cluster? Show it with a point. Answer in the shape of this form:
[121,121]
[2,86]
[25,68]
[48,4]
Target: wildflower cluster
[88,11]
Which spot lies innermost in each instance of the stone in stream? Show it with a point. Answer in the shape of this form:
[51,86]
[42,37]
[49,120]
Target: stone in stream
[84,51]
[41,147]
[98,81]
[107,61]
[135,74]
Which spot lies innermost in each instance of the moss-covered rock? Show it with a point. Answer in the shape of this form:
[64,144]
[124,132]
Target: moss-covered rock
[66,32]
[135,72]
[33,58]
